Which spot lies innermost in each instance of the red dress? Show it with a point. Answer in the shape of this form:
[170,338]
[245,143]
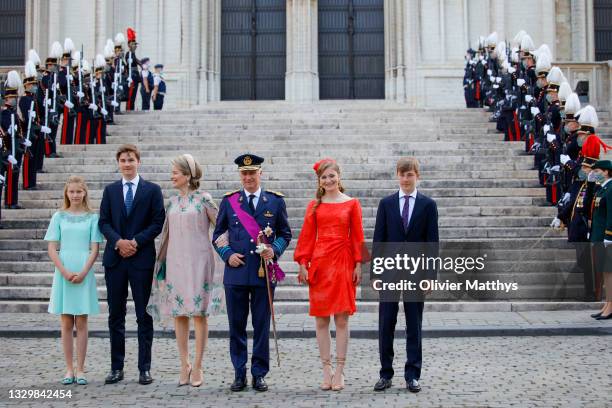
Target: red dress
[330,246]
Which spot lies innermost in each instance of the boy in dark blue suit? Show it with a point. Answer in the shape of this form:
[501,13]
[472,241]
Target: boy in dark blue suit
[405,216]
[244,278]
[131,216]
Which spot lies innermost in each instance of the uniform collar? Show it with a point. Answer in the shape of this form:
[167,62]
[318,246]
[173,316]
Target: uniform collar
[257,193]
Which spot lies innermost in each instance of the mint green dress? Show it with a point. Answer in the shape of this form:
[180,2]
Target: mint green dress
[74,233]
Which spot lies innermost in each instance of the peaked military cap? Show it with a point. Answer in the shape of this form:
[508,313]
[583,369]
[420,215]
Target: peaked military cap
[249,162]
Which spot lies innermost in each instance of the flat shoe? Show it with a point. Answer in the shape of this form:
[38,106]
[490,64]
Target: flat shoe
[68,380]
[81,381]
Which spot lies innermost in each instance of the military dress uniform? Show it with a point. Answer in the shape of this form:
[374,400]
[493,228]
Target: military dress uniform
[32,153]
[160,88]
[132,63]
[146,77]
[8,119]
[245,287]
[601,229]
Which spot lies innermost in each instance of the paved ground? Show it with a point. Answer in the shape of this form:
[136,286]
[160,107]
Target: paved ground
[562,371]
[363,325]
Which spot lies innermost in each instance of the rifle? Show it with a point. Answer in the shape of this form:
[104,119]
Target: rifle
[46,129]
[80,94]
[103,97]
[53,111]
[92,85]
[31,114]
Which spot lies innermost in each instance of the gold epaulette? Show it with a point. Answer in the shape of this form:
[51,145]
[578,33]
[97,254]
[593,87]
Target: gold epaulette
[229,193]
[276,193]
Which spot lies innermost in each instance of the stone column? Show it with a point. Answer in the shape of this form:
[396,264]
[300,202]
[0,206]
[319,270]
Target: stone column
[302,77]
[100,27]
[578,27]
[590,32]
[497,19]
[401,50]
[210,55]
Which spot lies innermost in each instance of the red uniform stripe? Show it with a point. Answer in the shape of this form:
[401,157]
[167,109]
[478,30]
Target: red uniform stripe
[77,133]
[26,171]
[9,184]
[517,131]
[129,102]
[99,132]
[554,194]
[88,131]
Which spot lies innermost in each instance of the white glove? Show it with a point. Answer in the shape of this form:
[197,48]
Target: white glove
[114,103]
[481,57]
[33,114]
[546,128]
[528,98]
[80,94]
[12,160]
[520,81]
[93,107]
[27,143]
[556,223]
[535,147]
[2,179]
[495,86]
[550,137]
[69,77]
[121,87]
[512,70]
[49,102]
[69,104]
[104,111]
[103,89]
[260,248]
[555,168]
[565,198]
[45,129]
[489,72]
[535,110]
[607,242]
[564,159]
[498,79]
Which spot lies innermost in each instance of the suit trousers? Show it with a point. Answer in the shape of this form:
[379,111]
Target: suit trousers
[140,281]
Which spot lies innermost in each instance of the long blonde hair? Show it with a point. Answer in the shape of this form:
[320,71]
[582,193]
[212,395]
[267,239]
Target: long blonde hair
[81,182]
[320,168]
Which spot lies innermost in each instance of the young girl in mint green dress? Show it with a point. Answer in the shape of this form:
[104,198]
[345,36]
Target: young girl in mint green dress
[74,232]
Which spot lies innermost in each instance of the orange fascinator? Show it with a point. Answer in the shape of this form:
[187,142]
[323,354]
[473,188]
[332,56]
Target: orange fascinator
[318,164]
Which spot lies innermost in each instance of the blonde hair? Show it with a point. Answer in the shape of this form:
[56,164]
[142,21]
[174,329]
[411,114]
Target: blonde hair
[193,169]
[81,182]
[322,168]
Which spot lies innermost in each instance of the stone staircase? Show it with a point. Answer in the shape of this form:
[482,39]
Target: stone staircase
[485,188]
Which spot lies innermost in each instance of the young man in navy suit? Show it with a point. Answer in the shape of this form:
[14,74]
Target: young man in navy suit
[131,216]
[404,216]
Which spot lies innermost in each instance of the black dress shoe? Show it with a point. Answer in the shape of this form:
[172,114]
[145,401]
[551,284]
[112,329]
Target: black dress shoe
[596,315]
[239,384]
[14,207]
[602,317]
[413,385]
[145,378]
[382,384]
[259,384]
[114,376]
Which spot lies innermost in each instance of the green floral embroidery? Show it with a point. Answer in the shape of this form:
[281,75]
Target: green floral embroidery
[197,300]
[179,300]
[170,287]
[206,287]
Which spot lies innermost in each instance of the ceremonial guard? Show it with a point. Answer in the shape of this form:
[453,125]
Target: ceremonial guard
[147,84]
[50,84]
[67,88]
[109,81]
[29,110]
[132,63]
[159,88]
[119,76]
[83,121]
[252,219]
[39,154]
[571,149]
[13,140]
[98,92]
[552,146]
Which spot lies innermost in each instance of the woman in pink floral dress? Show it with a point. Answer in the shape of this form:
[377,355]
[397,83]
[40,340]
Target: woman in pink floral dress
[188,275]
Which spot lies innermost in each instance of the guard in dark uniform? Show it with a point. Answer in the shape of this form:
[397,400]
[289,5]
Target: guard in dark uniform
[99,121]
[119,74]
[30,113]
[159,88]
[132,63]
[108,77]
[14,140]
[39,155]
[244,278]
[147,84]
[66,81]
[601,233]
[48,82]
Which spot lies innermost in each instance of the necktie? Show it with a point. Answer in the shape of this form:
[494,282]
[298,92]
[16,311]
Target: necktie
[405,212]
[251,204]
[129,198]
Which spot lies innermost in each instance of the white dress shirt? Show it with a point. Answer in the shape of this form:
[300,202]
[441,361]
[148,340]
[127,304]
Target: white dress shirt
[402,199]
[134,182]
[255,199]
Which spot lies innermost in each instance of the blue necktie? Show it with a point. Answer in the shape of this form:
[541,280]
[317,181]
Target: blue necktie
[405,212]
[129,198]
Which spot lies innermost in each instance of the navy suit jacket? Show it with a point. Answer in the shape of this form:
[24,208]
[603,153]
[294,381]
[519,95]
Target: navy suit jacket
[144,223]
[270,211]
[423,225]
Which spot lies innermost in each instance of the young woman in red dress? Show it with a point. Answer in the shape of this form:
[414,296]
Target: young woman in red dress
[329,253]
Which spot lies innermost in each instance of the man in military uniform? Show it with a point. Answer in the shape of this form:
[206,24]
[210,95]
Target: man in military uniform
[241,214]
[159,87]
[132,63]
[601,234]
[28,107]
[13,140]
[49,82]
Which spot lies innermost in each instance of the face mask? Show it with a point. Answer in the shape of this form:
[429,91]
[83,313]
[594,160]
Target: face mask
[599,178]
[145,66]
[524,63]
[34,89]
[540,83]
[549,98]
[566,129]
[580,141]
[582,175]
